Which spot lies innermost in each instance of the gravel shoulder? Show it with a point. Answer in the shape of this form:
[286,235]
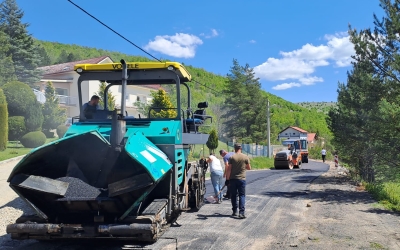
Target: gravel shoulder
[344,216]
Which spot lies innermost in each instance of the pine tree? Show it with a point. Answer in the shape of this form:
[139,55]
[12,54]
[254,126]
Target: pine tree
[53,115]
[44,57]
[212,142]
[23,50]
[62,58]
[161,105]
[245,106]
[7,72]
[110,97]
[365,121]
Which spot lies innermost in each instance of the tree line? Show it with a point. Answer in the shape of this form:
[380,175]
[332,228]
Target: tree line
[365,123]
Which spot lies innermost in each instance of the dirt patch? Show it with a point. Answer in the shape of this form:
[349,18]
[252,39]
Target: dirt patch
[343,215]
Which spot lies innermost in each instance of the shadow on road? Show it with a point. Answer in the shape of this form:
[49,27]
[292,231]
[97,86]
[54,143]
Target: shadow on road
[381,211]
[218,215]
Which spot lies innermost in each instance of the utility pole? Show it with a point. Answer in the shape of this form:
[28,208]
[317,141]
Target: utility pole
[269,131]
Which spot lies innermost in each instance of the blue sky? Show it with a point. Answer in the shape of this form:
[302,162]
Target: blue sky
[299,49]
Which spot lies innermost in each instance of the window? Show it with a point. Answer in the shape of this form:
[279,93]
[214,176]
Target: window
[60,91]
[294,133]
[137,98]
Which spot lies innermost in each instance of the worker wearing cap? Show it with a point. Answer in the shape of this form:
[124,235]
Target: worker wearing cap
[225,155]
[238,164]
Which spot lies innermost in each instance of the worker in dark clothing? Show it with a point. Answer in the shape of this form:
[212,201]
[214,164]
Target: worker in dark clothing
[238,164]
[90,107]
[291,148]
[225,155]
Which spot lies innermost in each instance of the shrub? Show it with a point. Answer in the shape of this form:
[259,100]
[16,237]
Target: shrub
[33,139]
[34,118]
[61,130]
[20,98]
[16,127]
[3,122]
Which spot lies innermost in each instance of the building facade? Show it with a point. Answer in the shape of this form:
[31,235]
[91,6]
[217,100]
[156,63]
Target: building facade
[65,79]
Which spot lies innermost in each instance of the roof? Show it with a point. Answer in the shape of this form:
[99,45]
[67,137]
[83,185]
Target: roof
[177,67]
[310,136]
[295,128]
[69,66]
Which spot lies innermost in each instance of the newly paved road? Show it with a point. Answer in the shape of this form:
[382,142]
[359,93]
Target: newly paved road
[274,208]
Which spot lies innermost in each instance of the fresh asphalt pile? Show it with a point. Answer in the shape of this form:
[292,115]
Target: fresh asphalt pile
[78,189]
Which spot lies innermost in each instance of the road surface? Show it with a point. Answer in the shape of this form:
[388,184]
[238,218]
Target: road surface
[274,207]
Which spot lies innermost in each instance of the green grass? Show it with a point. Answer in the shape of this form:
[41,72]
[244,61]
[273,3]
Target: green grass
[15,149]
[375,245]
[262,163]
[387,194]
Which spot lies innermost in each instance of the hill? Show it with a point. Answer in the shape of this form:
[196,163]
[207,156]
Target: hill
[209,87]
[323,107]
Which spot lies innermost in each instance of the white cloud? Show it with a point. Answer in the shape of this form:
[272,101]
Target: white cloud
[179,45]
[214,33]
[252,41]
[310,80]
[286,86]
[300,64]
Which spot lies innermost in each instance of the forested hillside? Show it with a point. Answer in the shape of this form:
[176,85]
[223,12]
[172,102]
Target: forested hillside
[206,87]
[323,107]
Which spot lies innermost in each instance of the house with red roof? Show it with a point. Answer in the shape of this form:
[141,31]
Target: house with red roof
[292,132]
[64,79]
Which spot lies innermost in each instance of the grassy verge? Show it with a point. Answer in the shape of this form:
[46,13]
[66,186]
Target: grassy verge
[388,194]
[15,149]
[262,163]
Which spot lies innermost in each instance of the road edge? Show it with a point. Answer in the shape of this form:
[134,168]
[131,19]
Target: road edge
[12,159]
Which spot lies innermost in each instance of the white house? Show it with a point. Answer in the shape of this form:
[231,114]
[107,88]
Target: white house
[64,79]
[293,133]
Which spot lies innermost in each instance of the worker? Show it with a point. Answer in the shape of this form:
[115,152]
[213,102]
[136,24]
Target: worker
[238,164]
[225,155]
[216,176]
[90,107]
[323,154]
[291,148]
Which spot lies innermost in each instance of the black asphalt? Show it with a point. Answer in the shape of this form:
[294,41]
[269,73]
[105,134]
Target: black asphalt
[274,206]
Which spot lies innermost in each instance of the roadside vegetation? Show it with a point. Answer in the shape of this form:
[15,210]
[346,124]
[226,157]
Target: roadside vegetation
[261,163]
[365,121]
[387,193]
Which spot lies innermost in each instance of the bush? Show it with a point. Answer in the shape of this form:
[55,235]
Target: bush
[33,139]
[20,98]
[35,117]
[61,130]
[3,122]
[16,127]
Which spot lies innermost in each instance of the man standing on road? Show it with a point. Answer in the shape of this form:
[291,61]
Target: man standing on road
[238,164]
[323,153]
[225,155]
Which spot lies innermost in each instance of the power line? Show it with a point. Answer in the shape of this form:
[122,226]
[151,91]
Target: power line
[126,39]
[215,91]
